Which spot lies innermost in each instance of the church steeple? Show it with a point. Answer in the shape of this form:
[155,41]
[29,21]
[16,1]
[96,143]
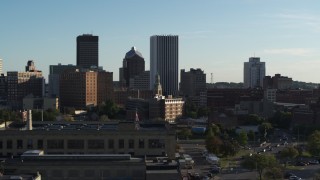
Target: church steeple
[157,86]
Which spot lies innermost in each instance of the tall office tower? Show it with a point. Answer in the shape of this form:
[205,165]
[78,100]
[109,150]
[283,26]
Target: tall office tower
[87,51]
[82,88]
[21,84]
[132,65]
[1,66]
[54,76]
[254,72]
[164,60]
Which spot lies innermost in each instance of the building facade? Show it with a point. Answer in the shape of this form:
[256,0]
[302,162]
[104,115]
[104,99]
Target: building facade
[82,88]
[54,76]
[141,81]
[21,84]
[253,73]
[91,138]
[192,82]
[277,82]
[132,65]
[164,60]
[87,51]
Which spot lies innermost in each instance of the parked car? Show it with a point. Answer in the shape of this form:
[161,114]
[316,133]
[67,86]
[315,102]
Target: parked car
[313,162]
[287,175]
[301,163]
[294,178]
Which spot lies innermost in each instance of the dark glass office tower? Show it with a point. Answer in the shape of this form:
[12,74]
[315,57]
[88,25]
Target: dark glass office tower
[87,51]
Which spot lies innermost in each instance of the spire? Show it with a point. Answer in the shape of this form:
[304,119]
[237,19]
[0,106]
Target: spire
[157,86]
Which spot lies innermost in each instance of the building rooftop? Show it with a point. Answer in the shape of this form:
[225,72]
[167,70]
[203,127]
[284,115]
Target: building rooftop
[132,53]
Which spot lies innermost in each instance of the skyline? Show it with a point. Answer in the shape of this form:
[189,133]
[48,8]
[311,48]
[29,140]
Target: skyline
[216,36]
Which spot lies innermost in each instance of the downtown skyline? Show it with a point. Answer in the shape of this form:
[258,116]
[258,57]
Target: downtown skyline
[215,36]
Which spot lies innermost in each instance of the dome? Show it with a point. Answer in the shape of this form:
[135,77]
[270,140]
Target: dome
[133,52]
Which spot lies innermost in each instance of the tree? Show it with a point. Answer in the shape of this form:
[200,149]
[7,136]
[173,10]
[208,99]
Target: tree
[253,119]
[260,162]
[229,148]
[213,144]
[281,119]
[265,129]
[243,138]
[314,143]
[251,135]
[186,133]
[289,153]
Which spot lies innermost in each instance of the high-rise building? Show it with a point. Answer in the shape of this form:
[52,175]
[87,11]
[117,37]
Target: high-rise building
[277,82]
[82,88]
[254,72]
[132,65]
[21,84]
[54,76]
[87,51]
[164,60]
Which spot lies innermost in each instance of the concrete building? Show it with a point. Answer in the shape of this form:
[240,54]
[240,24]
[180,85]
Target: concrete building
[164,60]
[277,82]
[141,81]
[82,88]
[132,65]
[270,95]
[45,103]
[54,76]
[120,96]
[78,166]
[3,90]
[192,82]
[87,51]
[90,138]
[21,84]
[253,73]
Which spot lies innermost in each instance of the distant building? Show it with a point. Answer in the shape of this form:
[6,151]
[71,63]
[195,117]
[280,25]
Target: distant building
[270,95]
[120,96]
[141,81]
[168,108]
[277,82]
[192,84]
[87,51]
[133,65]
[45,103]
[253,73]
[21,84]
[54,76]
[82,88]
[164,60]
[3,90]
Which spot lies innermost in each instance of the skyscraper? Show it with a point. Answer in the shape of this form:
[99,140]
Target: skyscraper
[87,51]
[164,60]
[132,65]
[254,72]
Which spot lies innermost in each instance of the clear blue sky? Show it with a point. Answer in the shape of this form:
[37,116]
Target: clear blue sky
[214,35]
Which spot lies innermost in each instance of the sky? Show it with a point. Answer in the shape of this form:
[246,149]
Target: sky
[217,36]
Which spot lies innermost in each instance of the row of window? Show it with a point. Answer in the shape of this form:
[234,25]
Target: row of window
[79,144]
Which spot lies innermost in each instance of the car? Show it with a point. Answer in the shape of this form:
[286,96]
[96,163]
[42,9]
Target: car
[313,162]
[294,178]
[301,163]
[287,175]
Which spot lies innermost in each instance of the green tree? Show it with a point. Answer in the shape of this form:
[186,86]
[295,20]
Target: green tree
[265,129]
[281,119]
[251,135]
[243,138]
[253,119]
[289,153]
[186,133]
[260,162]
[314,143]
[229,148]
[213,144]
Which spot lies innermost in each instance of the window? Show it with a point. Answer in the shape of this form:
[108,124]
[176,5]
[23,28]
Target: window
[19,144]
[55,144]
[96,144]
[9,144]
[0,144]
[30,144]
[131,143]
[156,143]
[111,144]
[40,144]
[75,144]
[121,143]
[141,143]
